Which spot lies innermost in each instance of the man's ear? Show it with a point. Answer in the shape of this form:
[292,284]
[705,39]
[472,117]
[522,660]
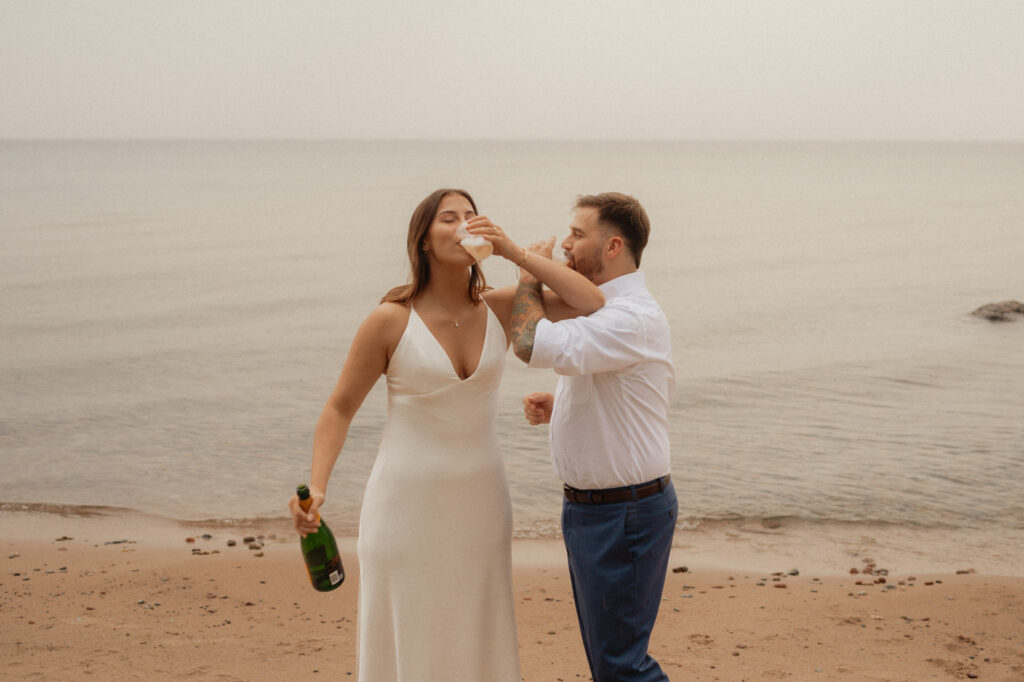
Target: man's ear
[614,246]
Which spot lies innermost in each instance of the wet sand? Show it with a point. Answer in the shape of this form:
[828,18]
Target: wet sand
[123,598]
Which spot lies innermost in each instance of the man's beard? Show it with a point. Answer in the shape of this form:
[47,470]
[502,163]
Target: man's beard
[589,265]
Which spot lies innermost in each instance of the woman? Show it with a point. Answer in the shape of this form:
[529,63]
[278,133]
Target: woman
[435,594]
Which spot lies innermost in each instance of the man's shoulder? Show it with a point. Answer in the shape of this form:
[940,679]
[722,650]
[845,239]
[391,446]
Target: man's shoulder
[639,302]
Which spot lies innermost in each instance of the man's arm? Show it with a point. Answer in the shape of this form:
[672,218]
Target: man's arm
[527,311]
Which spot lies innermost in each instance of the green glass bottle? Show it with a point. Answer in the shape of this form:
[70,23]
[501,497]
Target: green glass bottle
[323,562]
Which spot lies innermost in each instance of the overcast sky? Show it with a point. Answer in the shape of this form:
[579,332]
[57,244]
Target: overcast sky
[530,69]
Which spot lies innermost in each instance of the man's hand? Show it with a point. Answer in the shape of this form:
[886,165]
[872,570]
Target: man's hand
[537,407]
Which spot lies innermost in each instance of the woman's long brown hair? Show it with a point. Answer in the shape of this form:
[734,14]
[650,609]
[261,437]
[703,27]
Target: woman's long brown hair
[419,225]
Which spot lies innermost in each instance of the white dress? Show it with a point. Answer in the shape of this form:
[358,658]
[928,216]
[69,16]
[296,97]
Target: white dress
[435,591]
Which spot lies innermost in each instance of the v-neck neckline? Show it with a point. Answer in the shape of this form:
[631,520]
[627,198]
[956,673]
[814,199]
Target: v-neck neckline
[451,363]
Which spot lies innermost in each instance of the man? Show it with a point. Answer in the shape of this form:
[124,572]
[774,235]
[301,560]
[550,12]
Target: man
[609,433]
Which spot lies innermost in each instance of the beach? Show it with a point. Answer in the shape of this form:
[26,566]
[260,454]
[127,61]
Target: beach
[176,312]
[109,596]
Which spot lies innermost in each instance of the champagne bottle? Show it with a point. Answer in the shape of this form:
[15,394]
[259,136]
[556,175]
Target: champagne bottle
[323,562]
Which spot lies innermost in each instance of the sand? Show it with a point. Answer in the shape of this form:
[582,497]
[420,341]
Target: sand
[107,598]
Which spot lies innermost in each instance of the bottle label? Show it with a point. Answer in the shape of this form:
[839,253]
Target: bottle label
[335,577]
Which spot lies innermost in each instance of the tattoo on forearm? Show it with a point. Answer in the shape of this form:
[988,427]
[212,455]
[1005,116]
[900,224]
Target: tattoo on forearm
[527,311]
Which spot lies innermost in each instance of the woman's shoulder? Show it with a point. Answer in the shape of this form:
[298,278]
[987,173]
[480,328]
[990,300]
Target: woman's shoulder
[387,320]
[499,300]
[500,303]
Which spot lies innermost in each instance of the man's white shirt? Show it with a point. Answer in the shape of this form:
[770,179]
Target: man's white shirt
[609,427]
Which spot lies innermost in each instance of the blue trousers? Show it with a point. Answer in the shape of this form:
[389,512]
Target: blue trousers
[618,558]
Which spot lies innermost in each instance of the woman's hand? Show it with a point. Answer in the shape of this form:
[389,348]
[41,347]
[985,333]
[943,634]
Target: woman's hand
[307,522]
[481,226]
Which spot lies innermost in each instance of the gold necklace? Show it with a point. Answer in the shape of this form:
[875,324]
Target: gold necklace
[455,322]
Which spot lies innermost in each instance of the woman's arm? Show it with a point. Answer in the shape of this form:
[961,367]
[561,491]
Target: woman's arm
[575,290]
[367,359]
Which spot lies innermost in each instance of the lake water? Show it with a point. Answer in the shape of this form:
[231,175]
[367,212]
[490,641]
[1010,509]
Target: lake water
[175,314]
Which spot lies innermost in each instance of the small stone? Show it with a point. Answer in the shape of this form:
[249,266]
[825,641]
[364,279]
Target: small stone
[681,569]
[780,585]
[255,545]
[207,536]
[248,538]
[793,571]
[232,543]
[190,539]
[258,554]
[854,571]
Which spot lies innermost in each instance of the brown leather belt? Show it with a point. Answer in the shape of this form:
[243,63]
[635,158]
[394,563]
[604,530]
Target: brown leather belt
[625,494]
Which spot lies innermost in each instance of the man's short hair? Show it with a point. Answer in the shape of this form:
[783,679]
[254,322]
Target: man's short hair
[624,214]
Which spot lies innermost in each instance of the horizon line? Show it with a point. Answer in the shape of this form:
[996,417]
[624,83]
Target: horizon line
[614,140]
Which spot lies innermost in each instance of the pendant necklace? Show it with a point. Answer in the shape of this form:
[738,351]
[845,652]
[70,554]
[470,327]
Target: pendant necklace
[455,322]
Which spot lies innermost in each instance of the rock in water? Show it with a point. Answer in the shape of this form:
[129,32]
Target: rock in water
[1000,312]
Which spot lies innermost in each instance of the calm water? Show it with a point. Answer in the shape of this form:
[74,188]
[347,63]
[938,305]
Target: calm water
[175,314]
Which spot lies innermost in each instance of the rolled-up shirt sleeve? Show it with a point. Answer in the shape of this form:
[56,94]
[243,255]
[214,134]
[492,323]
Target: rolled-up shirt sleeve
[608,340]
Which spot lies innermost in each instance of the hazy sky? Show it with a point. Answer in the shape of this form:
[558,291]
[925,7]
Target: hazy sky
[680,69]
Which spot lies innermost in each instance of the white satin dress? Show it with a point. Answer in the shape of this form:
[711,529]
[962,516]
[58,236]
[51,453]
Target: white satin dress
[435,591]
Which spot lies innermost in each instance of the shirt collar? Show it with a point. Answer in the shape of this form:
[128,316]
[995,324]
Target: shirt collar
[623,284]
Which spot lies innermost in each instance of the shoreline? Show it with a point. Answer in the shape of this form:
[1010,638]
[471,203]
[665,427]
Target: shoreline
[761,544]
[78,589]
